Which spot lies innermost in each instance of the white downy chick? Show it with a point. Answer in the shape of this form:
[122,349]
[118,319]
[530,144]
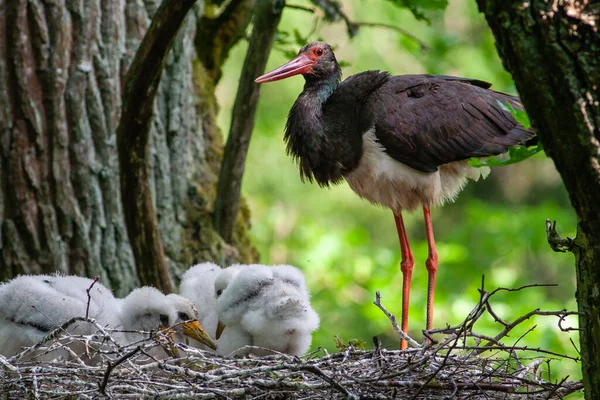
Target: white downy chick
[238,290]
[198,285]
[285,321]
[291,275]
[147,309]
[35,305]
[187,323]
[102,297]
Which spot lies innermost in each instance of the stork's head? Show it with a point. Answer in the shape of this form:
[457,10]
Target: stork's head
[315,61]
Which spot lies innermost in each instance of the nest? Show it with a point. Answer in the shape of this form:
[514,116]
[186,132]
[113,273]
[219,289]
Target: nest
[462,365]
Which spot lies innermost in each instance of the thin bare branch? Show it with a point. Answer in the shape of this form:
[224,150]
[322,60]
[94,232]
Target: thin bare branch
[112,365]
[89,297]
[301,8]
[411,342]
[333,12]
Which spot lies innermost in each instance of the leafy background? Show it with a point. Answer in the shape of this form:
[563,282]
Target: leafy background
[348,248]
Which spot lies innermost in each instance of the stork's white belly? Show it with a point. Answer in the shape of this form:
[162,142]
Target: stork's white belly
[382,180]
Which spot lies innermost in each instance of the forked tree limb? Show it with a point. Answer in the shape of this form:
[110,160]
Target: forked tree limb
[141,85]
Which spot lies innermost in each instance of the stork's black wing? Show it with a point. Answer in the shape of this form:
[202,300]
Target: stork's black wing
[425,121]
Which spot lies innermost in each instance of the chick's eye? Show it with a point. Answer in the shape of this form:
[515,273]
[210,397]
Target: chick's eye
[219,292]
[319,51]
[183,316]
[164,320]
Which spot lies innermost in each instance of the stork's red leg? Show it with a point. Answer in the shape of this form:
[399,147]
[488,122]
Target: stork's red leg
[406,266]
[431,264]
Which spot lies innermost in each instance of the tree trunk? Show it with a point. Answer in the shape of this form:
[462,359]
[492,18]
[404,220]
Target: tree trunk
[62,67]
[552,49]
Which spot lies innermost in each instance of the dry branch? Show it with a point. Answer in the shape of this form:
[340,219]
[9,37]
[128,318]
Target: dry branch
[411,342]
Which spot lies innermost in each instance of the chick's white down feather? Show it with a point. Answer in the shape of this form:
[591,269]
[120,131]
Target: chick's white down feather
[260,305]
[198,285]
[284,320]
[35,305]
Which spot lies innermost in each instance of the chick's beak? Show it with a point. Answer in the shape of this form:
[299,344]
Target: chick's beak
[168,342]
[194,330]
[220,329]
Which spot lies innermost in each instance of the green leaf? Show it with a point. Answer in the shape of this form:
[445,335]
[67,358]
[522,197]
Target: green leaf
[519,115]
[290,53]
[281,37]
[300,40]
[356,343]
[515,154]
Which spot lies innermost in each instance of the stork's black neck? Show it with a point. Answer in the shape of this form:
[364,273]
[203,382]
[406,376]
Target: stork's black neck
[306,129]
[326,124]
[321,89]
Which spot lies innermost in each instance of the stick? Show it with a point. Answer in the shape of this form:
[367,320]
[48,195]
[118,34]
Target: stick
[392,318]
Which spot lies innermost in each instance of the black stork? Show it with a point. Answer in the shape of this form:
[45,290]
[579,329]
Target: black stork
[399,141]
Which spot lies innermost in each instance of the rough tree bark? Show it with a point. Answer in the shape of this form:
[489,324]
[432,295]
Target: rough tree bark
[552,49]
[62,66]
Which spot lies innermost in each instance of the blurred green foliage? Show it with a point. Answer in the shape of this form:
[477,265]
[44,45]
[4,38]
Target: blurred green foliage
[418,7]
[348,248]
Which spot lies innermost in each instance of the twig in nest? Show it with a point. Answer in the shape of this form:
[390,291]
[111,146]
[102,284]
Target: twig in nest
[464,327]
[112,365]
[331,381]
[556,387]
[89,297]
[392,318]
[59,331]
[509,327]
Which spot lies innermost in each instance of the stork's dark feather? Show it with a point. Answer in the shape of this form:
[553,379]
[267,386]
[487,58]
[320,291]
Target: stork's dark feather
[425,121]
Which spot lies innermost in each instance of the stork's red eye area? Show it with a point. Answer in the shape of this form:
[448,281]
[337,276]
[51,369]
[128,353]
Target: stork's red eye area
[318,51]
